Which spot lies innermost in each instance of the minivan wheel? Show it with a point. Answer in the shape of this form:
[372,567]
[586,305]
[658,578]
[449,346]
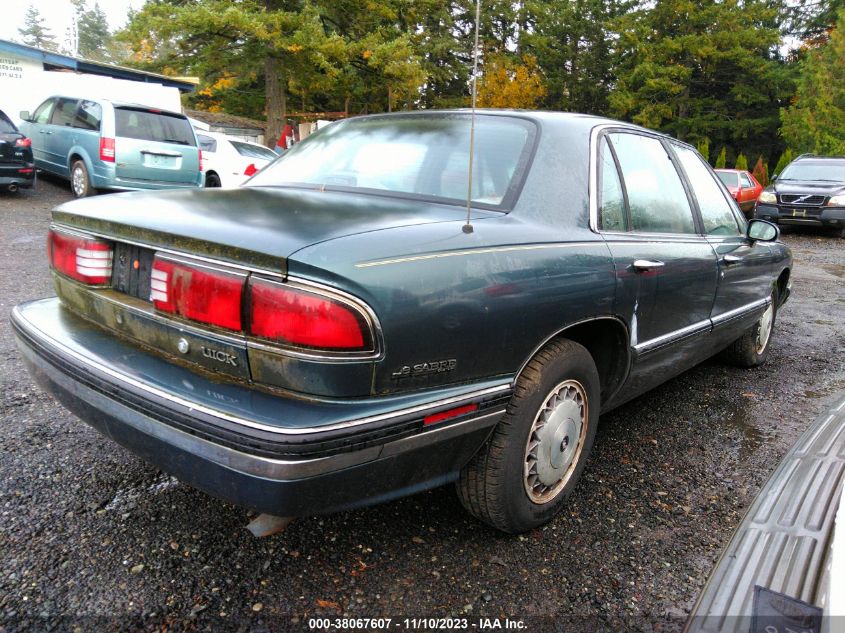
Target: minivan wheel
[522,476]
[80,183]
[752,348]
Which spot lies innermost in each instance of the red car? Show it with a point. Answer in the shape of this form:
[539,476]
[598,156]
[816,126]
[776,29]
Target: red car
[743,187]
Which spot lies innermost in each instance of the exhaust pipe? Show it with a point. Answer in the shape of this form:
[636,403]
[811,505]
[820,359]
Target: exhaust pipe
[13,188]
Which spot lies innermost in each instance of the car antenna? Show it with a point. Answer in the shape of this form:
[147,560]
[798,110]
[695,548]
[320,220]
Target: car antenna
[468,226]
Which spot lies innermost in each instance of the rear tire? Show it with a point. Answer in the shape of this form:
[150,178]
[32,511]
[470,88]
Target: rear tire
[80,181]
[212,180]
[522,476]
[752,348]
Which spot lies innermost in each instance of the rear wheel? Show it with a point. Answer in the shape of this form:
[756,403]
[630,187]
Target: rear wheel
[752,348]
[212,180]
[80,182]
[521,477]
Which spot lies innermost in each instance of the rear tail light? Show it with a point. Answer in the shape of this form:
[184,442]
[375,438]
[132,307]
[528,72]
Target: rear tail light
[200,156]
[23,142]
[251,170]
[277,312]
[107,149]
[86,260]
[196,292]
[301,318]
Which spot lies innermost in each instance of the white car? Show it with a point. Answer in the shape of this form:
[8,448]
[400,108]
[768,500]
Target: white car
[228,162]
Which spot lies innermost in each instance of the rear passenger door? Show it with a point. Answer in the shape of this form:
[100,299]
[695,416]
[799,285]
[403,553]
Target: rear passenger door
[745,266]
[666,271]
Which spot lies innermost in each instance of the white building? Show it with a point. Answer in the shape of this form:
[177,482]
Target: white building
[30,75]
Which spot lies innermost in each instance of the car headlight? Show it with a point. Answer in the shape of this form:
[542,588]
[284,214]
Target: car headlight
[767,197]
[837,201]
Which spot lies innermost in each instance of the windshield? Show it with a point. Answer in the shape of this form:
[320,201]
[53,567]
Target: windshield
[151,125]
[832,171]
[414,155]
[730,178]
[254,151]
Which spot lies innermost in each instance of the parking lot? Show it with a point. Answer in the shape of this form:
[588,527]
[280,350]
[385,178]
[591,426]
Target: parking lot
[90,531]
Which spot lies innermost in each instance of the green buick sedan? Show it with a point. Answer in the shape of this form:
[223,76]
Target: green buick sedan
[382,310]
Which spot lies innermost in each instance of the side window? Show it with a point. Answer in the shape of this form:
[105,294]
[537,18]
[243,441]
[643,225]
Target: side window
[612,200]
[64,112]
[656,197]
[42,114]
[88,116]
[207,144]
[716,211]
[746,181]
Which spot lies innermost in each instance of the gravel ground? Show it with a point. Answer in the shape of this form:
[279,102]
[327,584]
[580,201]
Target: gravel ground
[92,537]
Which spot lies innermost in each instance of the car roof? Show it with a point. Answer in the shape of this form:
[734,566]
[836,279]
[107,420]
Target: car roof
[812,158]
[120,104]
[549,117]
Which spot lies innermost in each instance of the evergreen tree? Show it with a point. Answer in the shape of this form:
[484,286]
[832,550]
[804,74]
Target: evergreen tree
[94,34]
[703,148]
[816,121]
[709,68]
[741,162]
[783,161]
[721,159]
[34,33]
[575,49]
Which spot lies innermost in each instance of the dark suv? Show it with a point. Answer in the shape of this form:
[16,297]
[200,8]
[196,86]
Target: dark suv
[810,192]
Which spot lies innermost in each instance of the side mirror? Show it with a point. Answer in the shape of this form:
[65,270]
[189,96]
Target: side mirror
[774,177]
[24,115]
[763,231]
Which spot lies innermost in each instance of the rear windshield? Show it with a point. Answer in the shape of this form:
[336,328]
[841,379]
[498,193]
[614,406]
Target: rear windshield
[825,172]
[253,151]
[422,156]
[6,126]
[730,178]
[146,125]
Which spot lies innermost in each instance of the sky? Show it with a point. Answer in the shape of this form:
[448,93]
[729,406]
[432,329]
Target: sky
[57,14]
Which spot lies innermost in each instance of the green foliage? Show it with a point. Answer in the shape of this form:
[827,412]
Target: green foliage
[703,69]
[571,43]
[816,120]
[761,171]
[721,159]
[34,33]
[741,162]
[783,161]
[703,147]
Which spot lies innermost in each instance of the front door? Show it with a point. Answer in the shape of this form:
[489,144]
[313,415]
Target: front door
[745,266]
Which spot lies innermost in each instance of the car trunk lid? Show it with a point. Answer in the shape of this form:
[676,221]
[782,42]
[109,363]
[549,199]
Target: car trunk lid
[255,226]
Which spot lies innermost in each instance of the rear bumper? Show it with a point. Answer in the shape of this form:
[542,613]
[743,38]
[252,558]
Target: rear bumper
[11,175]
[825,216]
[214,436]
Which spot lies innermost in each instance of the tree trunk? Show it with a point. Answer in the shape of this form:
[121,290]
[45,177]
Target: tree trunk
[276,97]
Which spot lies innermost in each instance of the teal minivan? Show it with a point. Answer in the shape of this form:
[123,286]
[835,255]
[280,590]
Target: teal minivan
[101,144]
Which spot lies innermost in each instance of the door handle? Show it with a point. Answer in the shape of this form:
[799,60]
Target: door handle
[730,260]
[641,265]
[46,132]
